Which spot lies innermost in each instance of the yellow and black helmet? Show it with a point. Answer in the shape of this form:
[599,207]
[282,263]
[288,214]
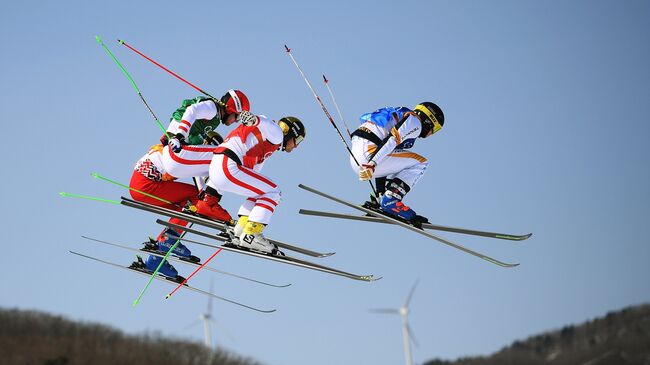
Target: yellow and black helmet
[292,127]
[431,116]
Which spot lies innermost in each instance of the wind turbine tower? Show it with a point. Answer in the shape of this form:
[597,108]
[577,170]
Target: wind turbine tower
[407,333]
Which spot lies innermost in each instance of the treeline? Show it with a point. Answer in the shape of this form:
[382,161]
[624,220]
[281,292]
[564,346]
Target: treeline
[619,338]
[34,338]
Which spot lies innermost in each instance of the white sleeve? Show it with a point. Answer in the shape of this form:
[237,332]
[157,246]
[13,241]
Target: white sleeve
[173,127]
[409,129]
[203,110]
[270,130]
[258,167]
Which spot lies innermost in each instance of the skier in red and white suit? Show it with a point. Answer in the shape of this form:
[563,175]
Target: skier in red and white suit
[191,139]
[236,167]
[150,177]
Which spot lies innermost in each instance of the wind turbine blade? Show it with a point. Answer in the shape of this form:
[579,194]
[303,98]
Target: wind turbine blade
[198,321]
[384,310]
[412,335]
[408,299]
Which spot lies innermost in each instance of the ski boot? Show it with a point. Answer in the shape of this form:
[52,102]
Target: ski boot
[252,239]
[233,232]
[166,269]
[167,239]
[391,203]
[209,206]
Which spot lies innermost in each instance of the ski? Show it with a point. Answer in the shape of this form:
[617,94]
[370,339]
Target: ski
[222,226]
[408,226]
[172,282]
[176,259]
[284,259]
[435,227]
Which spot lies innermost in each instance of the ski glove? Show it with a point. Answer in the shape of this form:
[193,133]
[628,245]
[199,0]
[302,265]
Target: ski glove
[366,171]
[247,118]
[176,143]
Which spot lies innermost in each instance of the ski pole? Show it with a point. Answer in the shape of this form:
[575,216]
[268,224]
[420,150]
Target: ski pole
[153,275]
[326,113]
[64,194]
[98,176]
[171,72]
[99,40]
[327,83]
[192,274]
[137,301]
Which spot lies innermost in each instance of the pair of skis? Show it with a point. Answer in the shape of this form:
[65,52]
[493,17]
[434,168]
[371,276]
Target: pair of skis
[172,282]
[226,246]
[377,217]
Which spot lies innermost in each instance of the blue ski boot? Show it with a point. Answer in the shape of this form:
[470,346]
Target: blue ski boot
[168,238]
[391,201]
[166,269]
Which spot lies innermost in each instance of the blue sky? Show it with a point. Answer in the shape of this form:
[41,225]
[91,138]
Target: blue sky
[546,107]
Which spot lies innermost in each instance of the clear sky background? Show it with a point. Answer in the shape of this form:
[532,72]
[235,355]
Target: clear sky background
[546,131]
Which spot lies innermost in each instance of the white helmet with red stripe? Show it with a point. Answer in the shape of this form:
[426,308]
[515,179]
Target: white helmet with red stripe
[235,101]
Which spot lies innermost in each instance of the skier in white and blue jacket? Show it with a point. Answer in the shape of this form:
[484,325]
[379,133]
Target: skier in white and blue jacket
[380,145]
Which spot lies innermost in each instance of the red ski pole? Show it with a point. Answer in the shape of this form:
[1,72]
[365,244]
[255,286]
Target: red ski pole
[170,71]
[192,274]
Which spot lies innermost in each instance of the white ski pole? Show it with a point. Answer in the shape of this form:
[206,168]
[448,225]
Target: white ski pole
[327,114]
[327,83]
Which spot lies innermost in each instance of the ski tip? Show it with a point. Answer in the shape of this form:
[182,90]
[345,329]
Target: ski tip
[99,40]
[167,296]
[94,174]
[327,254]
[287,48]
[135,303]
[64,194]
[369,278]
[325,79]
[513,237]
[509,265]
[120,41]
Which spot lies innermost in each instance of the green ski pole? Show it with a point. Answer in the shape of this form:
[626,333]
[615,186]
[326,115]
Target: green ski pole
[137,301]
[98,176]
[64,194]
[99,40]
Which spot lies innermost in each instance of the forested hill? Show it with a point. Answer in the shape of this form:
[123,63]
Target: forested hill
[619,338]
[34,338]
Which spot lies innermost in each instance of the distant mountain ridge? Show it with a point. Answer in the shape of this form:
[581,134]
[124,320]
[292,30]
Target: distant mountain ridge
[619,338]
[36,338]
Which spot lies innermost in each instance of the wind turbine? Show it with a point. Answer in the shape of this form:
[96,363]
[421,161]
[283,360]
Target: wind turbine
[207,318]
[407,333]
